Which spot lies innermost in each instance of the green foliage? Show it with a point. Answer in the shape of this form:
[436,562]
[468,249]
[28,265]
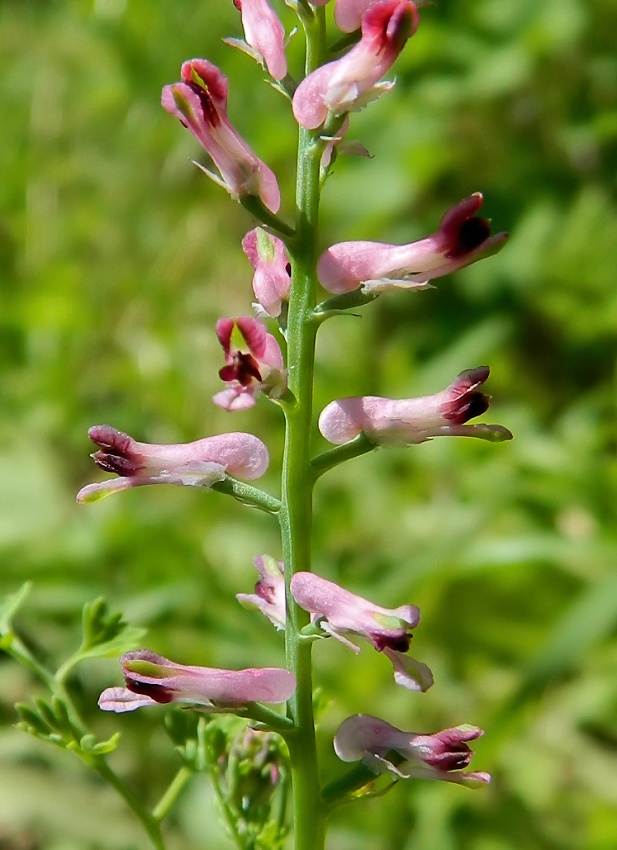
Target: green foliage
[117,257]
[105,635]
[50,720]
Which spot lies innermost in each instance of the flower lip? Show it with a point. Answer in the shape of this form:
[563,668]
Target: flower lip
[464,400]
[114,454]
[194,74]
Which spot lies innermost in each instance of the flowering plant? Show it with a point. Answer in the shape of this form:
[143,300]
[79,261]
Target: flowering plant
[270,357]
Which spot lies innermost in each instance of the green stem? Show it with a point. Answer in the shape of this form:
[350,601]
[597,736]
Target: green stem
[328,460]
[297,475]
[170,797]
[23,656]
[271,719]
[148,820]
[340,790]
[248,495]
[253,204]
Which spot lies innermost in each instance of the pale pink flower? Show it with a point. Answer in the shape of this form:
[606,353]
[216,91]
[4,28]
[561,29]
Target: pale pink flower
[386,749]
[272,279]
[269,595]
[200,102]
[348,13]
[152,679]
[388,421]
[198,464]
[349,83]
[343,614]
[264,36]
[254,363]
[462,239]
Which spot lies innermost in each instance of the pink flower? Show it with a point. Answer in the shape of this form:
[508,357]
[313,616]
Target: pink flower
[388,421]
[151,679]
[349,83]
[462,239]
[269,596]
[247,373]
[348,13]
[272,278]
[200,102]
[264,34]
[198,464]
[384,748]
[340,613]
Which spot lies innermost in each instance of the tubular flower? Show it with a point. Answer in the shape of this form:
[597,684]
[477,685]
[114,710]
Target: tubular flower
[247,373]
[269,596]
[462,239]
[200,102]
[388,421]
[264,34]
[386,749]
[340,613]
[272,279]
[347,84]
[198,464]
[151,679]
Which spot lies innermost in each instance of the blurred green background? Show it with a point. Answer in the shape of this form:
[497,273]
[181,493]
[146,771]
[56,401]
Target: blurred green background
[117,257]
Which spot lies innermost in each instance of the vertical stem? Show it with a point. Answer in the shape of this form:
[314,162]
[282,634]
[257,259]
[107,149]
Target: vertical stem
[297,480]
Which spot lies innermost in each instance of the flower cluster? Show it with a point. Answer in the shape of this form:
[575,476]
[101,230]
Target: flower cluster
[255,366]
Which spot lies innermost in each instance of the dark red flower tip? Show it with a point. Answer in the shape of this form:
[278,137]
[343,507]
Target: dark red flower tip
[471,234]
[158,693]
[120,465]
[399,643]
[243,369]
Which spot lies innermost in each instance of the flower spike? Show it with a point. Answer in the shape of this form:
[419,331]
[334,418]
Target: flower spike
[272,279]
[386,749]
[341,614]
[349,83]
[247,373]
[264,34]
[402,422]
[199,101]
[152,679]
[462,239]
[198,464]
